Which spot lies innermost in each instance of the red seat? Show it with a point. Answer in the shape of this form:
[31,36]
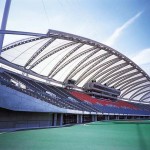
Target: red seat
[84,97]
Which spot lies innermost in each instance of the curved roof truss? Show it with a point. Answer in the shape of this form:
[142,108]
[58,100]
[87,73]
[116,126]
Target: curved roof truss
[134,89]
[145,97]
[111,72]
[98,69]
[69,56]
[120,75]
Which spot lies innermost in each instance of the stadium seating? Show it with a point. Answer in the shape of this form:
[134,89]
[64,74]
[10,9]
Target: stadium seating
[69,99]
[108,106]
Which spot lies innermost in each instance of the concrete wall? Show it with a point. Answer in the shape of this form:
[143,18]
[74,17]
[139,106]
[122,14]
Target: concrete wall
[14,119]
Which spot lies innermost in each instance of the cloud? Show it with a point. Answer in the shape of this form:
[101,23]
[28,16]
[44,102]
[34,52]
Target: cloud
[112,39]
[143,57]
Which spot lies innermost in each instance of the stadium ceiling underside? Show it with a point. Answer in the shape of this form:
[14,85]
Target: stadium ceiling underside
[58,56]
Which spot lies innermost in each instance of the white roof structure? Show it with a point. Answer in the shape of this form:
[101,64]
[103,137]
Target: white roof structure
[57,56]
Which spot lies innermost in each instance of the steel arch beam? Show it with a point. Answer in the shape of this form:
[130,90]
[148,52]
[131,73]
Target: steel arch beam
[27,71]
[51,53]
[134,84]
[78,39]
[71,74]
[52,73]
[144,96]
[29,48]
[96,75]
[126,82]
[145,99]
[21,42]
[138,93]
[121,79]
[98,69]
[94,43]
[73,58]
[109,71]
[92,68]
[133,89]
[117,75]
[41,49]
[89,62]
[106,74]
[22,33]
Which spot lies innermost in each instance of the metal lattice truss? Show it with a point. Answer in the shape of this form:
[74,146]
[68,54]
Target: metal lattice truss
[58,56]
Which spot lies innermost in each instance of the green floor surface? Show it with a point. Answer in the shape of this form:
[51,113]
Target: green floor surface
[94,136]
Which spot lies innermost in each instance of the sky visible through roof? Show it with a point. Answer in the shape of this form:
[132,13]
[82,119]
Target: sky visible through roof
[121,24]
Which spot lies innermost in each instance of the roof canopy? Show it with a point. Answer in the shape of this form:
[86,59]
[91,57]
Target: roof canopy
[60,56]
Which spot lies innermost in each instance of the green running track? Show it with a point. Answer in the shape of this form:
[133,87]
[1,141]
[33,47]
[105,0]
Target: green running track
[115,135]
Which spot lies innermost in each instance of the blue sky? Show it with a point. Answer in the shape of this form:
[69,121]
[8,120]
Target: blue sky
[122,24]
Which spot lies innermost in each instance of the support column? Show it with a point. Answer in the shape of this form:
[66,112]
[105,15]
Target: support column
[4,22]
[61,119]
[107,117]
[55,119]
[117,117]
[126,117]
[93,118]
[81,118]
[51,120]
[78,120]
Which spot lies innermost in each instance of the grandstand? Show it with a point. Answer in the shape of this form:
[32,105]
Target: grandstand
[80,94]
[67,79]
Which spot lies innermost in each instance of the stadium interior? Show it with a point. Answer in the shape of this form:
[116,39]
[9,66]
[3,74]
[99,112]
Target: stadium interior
[26,104]
[63,91]
[59,79]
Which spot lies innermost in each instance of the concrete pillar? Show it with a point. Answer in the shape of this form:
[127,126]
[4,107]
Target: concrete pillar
[51,119]
[93,118]
[117,117]
[81,118]
[126,117]
[78,118]
[107,117]
[55,119]
[61,119]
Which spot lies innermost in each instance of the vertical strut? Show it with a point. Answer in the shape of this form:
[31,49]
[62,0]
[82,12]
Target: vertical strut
[4,22]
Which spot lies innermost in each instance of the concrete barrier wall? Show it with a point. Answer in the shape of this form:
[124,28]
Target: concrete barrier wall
[19,120]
